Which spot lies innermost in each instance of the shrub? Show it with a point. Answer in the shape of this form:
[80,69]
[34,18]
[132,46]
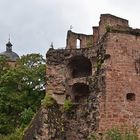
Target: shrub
[115,134]
[26,116]
[68,105]
[17,135]
[48,101]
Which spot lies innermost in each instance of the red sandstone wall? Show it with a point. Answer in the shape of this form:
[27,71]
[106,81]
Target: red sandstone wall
[85,40]
[110,20]
[95,34]
[56,82]
[121,78]
[71,40]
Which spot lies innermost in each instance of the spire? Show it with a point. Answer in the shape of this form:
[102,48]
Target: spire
[51,45]
[9,38]
[9,45]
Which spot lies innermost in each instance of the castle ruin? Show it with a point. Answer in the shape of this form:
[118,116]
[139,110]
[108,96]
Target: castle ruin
[101,78]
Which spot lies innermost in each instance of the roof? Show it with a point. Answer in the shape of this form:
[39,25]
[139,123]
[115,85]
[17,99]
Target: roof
[12,56]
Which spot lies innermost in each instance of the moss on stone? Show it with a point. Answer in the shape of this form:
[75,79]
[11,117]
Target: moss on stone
[108,28]
[48,101]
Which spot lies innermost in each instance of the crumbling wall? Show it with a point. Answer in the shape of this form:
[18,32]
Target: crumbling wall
[34,128]
[80,121]
[107,20]
[59,81]
[85,40]
[110,85]
[95,35]
[55,73]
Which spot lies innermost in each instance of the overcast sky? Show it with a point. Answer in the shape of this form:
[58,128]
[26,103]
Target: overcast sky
[34,24]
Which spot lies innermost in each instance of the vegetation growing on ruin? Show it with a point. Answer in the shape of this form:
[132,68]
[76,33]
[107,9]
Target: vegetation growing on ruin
[48,101]
[98,63]
[108,28]
[68,105]
[17,135]
[115,134]
[89,43]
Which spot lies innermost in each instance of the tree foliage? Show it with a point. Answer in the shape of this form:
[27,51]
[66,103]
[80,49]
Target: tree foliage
[21,90]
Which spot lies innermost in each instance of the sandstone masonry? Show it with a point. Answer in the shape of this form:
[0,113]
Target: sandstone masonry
[101,79]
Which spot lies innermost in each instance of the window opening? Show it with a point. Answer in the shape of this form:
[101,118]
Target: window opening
[78,43]
[130,96]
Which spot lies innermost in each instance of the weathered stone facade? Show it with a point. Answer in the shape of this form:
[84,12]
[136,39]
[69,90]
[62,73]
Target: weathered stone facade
[81,86]
[120,104]
[101,79]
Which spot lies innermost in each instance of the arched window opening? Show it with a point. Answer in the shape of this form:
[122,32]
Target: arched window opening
[80,90]
[80,66]
[78,44]
[130,97]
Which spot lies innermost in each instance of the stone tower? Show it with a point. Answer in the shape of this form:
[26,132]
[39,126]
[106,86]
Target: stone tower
[101,78]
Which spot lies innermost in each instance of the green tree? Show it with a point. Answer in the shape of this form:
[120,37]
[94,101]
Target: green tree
[3,65]
[21,90]
[31,71]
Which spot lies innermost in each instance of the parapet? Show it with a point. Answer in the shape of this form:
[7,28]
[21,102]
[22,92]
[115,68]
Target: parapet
[108,20]
[113,20]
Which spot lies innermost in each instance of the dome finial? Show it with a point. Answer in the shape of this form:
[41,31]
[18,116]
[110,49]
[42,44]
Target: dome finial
[9,38]
[9,45]
[52,45]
